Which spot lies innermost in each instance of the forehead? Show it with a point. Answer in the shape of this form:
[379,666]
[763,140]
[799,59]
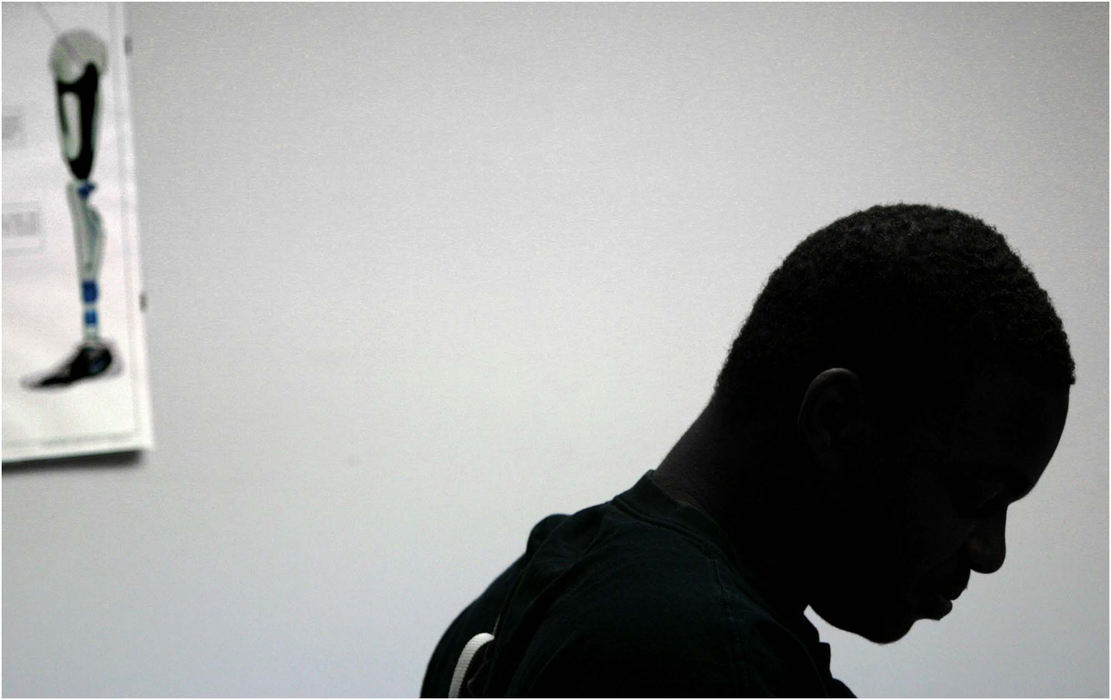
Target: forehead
[1007,422]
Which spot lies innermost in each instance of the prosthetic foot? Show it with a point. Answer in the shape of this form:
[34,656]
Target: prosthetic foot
[91,359]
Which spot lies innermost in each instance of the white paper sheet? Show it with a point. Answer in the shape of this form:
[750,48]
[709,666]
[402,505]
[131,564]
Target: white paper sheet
[43,307]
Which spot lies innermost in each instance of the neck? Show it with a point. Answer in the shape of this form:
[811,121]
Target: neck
[710,469]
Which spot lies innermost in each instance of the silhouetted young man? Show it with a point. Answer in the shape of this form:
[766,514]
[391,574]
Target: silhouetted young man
[900,381]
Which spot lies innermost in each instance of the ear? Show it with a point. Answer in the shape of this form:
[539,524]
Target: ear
[834,418]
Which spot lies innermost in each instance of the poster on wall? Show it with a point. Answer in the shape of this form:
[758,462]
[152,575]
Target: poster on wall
[74,347]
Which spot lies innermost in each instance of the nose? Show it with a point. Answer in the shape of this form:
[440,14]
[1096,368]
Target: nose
[986,548]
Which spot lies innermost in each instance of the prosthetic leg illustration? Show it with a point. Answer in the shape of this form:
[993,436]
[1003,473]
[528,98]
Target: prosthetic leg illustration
[78,60]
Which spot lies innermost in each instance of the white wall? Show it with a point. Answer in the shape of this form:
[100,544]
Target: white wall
[422,274]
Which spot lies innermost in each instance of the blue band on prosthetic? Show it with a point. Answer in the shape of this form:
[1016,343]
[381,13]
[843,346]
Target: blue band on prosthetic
[85,189]
[89,291]
[90,318]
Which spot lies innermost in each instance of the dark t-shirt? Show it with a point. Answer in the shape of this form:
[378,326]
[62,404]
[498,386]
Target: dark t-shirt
[640,596]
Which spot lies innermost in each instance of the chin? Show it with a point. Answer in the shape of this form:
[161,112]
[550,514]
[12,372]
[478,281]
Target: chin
[881,629]
[885,633]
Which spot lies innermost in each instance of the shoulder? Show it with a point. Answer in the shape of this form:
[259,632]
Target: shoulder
[615,604]
[631,628]
[657,614]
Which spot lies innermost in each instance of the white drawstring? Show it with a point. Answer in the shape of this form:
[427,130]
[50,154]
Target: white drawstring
[469,650]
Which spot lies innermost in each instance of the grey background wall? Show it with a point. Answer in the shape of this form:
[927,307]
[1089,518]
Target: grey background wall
[420,275]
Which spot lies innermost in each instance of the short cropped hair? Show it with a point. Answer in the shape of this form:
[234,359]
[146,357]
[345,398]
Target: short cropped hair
[915,299]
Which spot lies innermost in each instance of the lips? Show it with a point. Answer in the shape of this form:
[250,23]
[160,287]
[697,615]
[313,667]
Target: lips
[937,606]
[951,591]
[939,597]
[951,586]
